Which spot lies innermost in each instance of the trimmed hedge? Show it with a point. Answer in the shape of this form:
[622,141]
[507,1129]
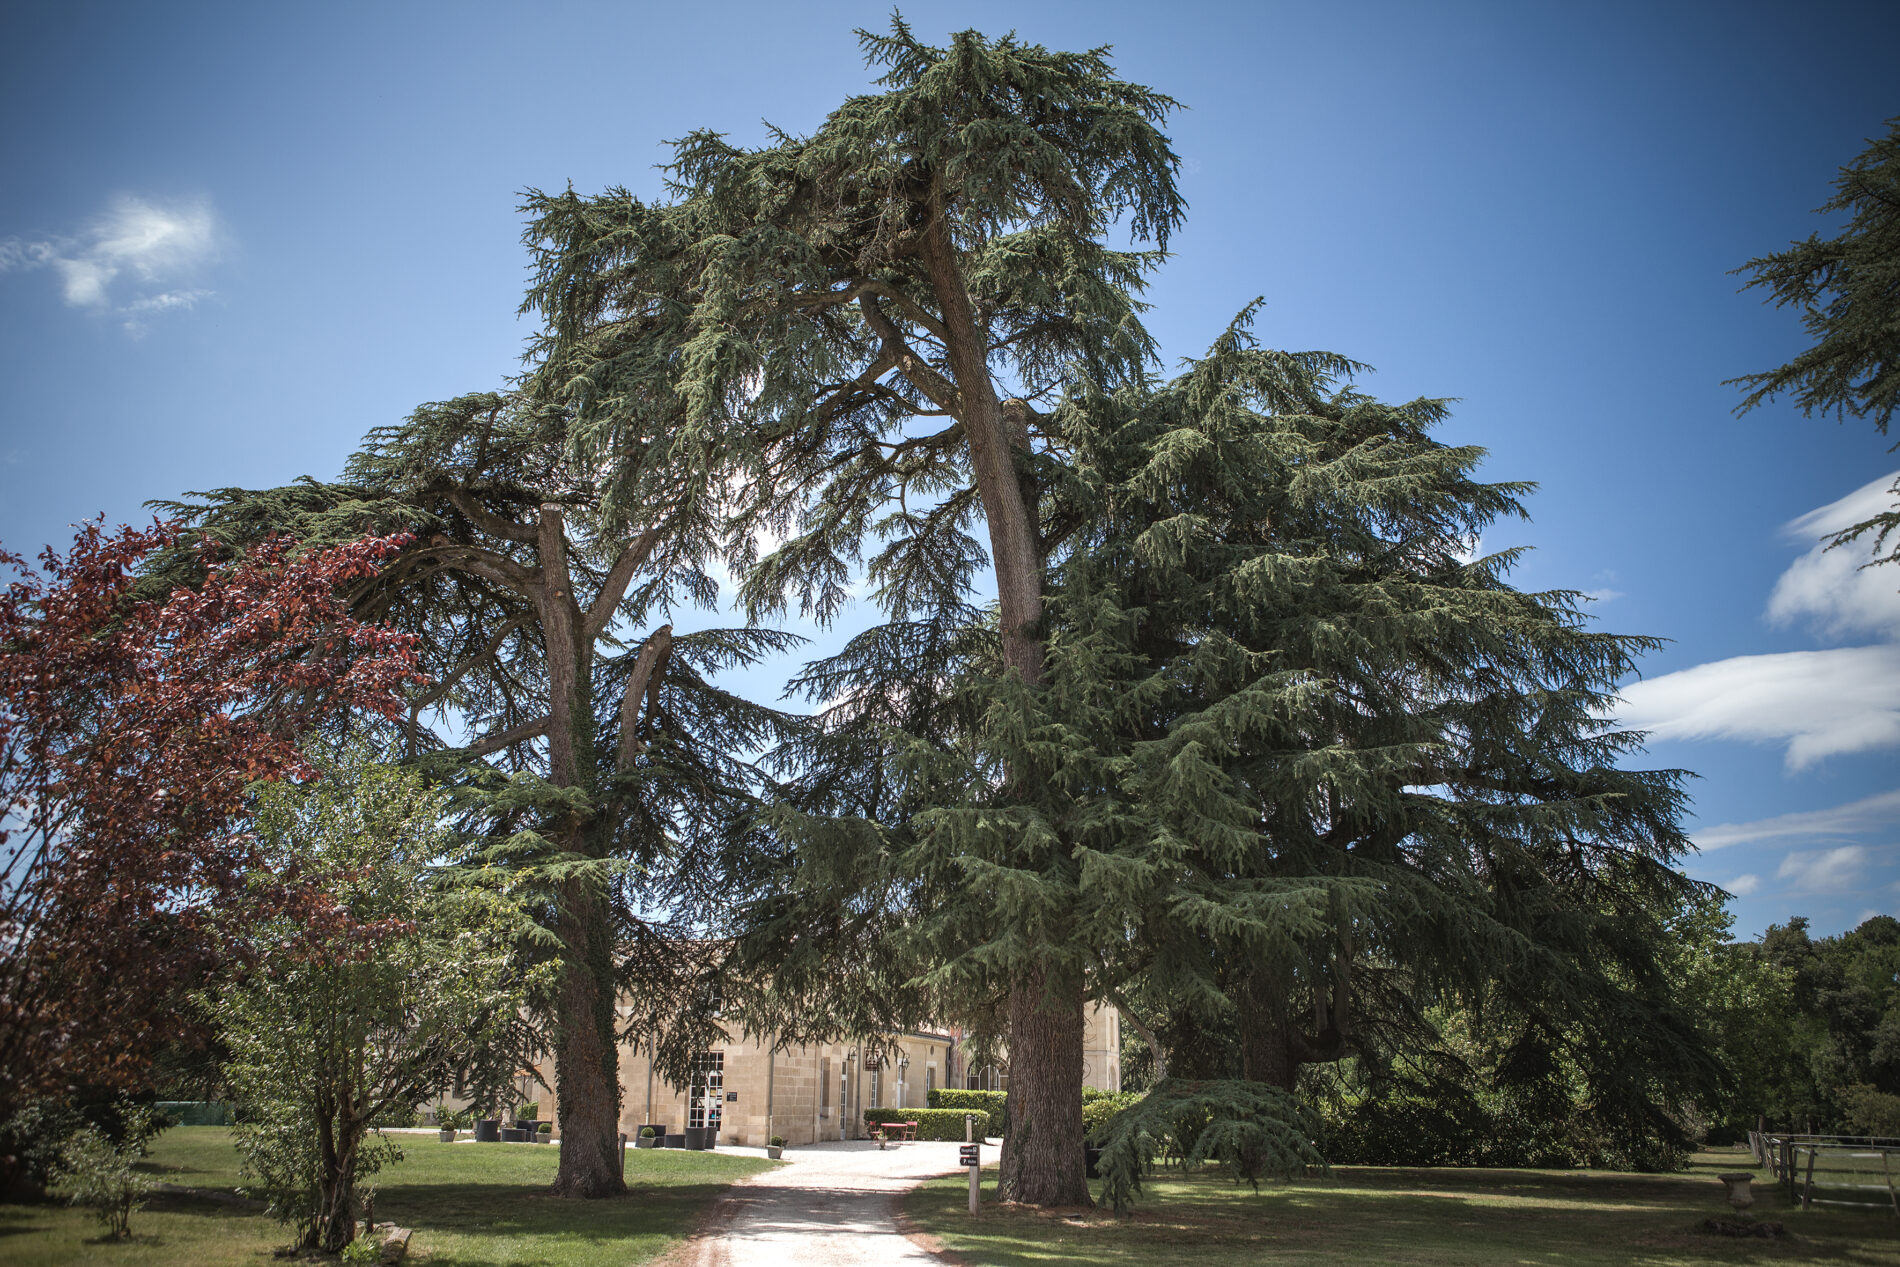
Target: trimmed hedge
[940,1124]
[994,1103]
[1100,1107]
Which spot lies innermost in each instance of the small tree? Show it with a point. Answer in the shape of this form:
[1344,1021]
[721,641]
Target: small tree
[371,1011]
[130,728]
[98,1173]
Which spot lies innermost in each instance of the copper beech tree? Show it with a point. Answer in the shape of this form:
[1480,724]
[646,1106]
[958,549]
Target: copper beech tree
[130,730]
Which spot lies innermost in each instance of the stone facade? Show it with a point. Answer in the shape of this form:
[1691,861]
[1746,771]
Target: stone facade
[819,1091]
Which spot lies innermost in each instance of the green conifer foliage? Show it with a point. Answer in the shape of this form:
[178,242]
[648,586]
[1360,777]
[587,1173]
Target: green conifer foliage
[1313,761]
[1847,289]
[601,761]
[867,322]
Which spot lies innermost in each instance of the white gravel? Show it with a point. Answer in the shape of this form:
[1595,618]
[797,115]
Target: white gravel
[833,1204]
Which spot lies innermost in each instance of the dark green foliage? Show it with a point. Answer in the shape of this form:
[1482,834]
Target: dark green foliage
[937,1124]
[994,1105]
[1304,764]
[1847,289]
[1251,1130]
[1821,1048]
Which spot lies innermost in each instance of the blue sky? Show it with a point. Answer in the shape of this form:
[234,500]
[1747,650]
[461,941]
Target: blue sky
[233,237]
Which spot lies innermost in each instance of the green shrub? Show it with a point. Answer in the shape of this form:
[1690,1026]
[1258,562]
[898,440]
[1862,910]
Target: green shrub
[777,1141]
[98,1174]
[647,1132]
[940,1124]
[527,1111]
[1100,1107]
[994,1103]
[396,1115]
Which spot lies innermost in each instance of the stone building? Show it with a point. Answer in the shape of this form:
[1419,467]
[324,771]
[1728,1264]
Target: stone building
[820,1091]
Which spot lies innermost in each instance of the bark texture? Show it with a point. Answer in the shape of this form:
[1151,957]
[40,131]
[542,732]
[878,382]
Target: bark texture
[1043,1162]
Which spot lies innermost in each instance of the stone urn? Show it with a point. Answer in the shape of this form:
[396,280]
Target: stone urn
[1741,1191]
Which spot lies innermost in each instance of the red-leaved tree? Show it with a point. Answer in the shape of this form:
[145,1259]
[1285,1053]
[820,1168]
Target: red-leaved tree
[130,729]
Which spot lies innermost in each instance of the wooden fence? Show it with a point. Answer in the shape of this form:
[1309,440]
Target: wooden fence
[1832,1169]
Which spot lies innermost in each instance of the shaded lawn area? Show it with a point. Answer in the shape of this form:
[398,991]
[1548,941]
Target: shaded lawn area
[1428,1217]
[471,1205]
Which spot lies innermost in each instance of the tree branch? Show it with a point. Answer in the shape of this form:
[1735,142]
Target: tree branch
[504,738]
[642,683]
[487,520]
[498,568]
[614,588]
[941,390]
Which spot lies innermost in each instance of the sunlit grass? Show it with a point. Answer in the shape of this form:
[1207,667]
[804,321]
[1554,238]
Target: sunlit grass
[471,1205]
[1426,1217]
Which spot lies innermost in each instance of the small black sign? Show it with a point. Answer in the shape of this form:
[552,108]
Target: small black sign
[732,1095]
[967,1155]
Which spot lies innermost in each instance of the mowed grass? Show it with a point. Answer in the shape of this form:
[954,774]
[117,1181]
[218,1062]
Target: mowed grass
[1428,1217]
[471,1206]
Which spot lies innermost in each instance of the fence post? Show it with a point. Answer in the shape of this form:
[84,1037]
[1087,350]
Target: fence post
[1807,1188]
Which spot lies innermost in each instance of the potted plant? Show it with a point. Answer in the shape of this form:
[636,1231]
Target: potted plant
[447,1120]
[775,1147]
[544,1133]
[648,1138]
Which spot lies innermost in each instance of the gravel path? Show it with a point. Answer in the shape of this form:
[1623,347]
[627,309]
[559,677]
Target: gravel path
[834,1204]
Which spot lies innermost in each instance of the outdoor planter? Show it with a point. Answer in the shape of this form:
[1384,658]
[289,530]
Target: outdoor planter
[646,1141]
[673,1141]
[515,1135]
[697,1138]
[774,1151]
[487,1130]
[528,1124]
[446,1135]
[544,1136]
[1741,1192]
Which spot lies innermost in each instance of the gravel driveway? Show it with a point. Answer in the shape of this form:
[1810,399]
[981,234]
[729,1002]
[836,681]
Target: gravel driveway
[833,1204]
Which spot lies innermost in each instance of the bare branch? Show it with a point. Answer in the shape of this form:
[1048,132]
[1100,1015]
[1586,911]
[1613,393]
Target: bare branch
[614,588]
[487,520]
[504,738]
[941,390]
[642,683]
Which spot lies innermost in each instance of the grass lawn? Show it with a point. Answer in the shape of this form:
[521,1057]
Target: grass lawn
[471,1205]
[1433,1218]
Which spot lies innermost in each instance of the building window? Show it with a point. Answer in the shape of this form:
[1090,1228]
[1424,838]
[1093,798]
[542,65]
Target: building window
[930,1080]
[707,1093]
[824,1087]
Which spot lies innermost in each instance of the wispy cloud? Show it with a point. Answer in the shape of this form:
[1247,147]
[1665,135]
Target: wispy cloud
[1820,703]
[1823,871]
[1852,819]
[1743,885]
[130,259]
[1830,588]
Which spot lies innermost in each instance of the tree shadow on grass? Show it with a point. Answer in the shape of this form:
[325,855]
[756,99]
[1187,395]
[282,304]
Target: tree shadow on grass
[510,1210]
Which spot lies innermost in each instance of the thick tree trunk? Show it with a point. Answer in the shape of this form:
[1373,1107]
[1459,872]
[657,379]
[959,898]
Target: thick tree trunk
[1043,1162]
[1042,1159]
[586,1058]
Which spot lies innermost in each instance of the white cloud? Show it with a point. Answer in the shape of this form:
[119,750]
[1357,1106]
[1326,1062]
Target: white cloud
[1826,871]
[1603,596]
[1743,885]
[1830,588]
[129,258]
[1821,703]
[1852,819]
